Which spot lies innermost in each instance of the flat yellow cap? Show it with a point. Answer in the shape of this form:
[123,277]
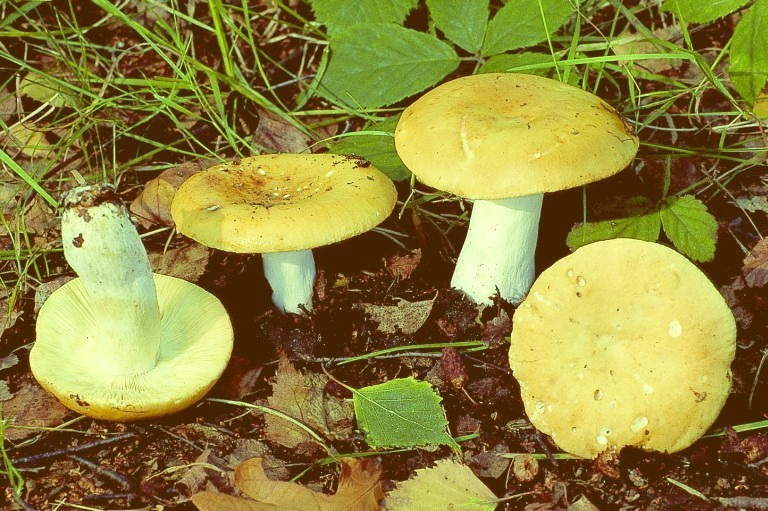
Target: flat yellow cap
[282,202]
[502,135]
[624,342]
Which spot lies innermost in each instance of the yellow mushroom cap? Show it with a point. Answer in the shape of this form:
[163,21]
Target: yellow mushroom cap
[195,346]
[624,342]
[282,202]
[501,135]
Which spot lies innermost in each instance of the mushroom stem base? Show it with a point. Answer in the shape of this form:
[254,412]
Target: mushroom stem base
[291,276]
[498,252]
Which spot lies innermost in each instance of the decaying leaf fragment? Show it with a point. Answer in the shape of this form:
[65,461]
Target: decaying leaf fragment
[448,485]
[406,317]
[359,489]
[302,396]
[186,262]
[756,265]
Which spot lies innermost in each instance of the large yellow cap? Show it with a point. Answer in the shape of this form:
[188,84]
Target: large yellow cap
[501,135]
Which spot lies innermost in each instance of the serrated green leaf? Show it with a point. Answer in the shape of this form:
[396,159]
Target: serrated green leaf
[402,413]
[376,144]
[696,11]
[340,15]
[508,62]
[380,63]
[638,218]
[749,52]
[690,227]
[520,23]
[644,227]
[462,21]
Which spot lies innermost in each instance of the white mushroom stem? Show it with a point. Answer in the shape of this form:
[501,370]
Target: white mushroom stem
[499,250]
[102,246]
[292,277]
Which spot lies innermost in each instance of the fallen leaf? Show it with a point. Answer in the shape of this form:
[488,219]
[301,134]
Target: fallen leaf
[401,266]
[38,217]
[33,407]
[186,262]
[753,204]
[277,135]
[153,205]
[5,392]
[205,471]
[8,361]
[755,267]
[447,485]
[490,464]
[302,396]
[582,504]
[497,329]
[8,313]
[635,44]
[359,489]
[406,317]
[46,289]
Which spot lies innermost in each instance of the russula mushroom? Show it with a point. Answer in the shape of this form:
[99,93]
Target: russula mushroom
[118,342]
[503,140]
[623,343]
[282,206]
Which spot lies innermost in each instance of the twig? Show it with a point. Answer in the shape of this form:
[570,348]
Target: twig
[758,503]
[45,456]
[124,483]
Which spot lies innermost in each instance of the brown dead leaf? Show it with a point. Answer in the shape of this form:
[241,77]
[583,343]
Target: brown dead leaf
[276,135]
[31,406]
[302,396]
[38,218]
[7,317]
[359,489]
[755,267]
[406,317]
[153,205]
[186,262]
[401,266]
[583,504]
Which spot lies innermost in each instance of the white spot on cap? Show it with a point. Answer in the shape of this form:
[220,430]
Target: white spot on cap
[536,156]
[598,395]
[580,281]
[602,440]
[675,328]
[569,273]
[540,406]
[469,153]
[640,422]
[647,388]
[605,431]
[213,208]
[329,173]
[538,296]
[260,171]
[703,378]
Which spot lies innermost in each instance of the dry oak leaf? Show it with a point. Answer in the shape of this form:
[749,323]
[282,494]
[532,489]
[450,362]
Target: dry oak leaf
[359,490]
[406,317]
[755,267]
[448,485]
[186,262]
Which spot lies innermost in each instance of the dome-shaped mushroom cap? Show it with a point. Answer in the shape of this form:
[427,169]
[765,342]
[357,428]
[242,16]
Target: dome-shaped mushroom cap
[501,135]
[282,202]
[195,346]
[623,342]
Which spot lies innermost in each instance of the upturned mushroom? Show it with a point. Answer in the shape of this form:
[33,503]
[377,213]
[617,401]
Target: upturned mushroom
[623,343]
[282,206]
[504,140]
[118,342]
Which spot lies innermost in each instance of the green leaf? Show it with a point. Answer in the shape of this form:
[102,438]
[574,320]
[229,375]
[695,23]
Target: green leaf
[380,63]
[462,21]
[509,62]
[520,23]
[698,11]
[749,52]
[690,227]
[377,145]
[338,15]
[640,221]
[402,413]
